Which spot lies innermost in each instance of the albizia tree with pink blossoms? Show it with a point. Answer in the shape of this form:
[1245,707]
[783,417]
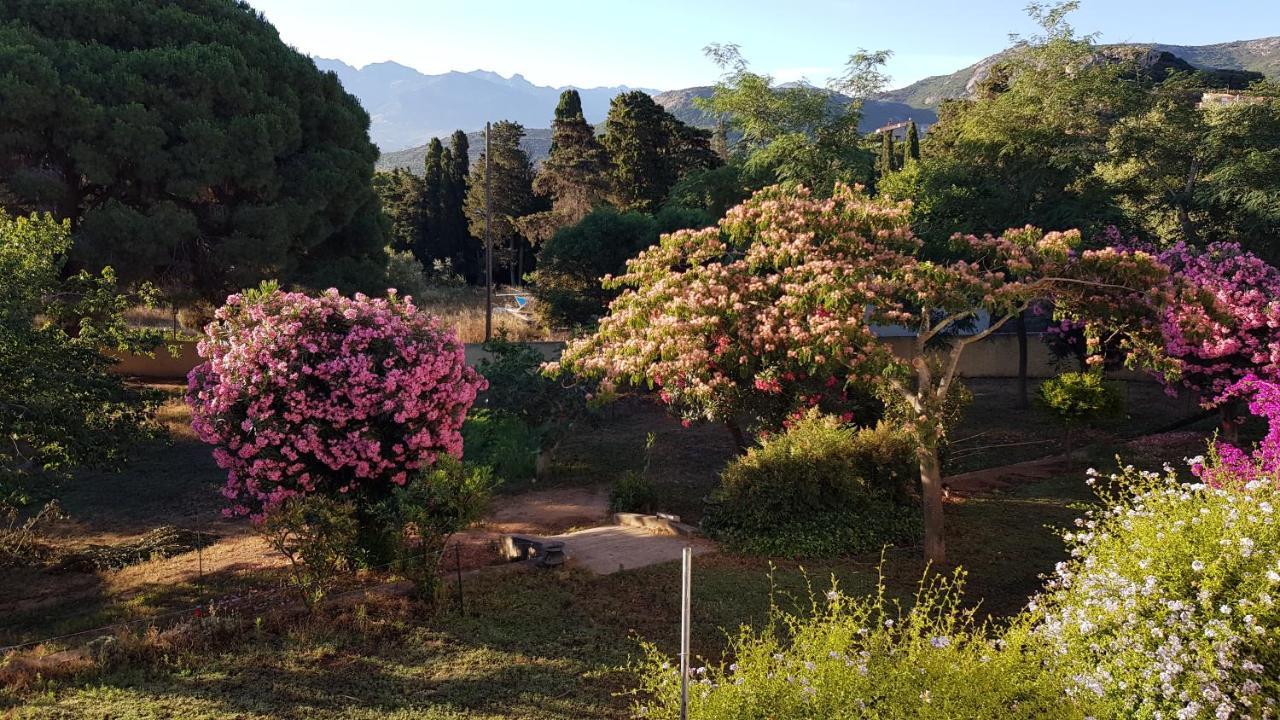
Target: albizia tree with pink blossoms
[326,394]
[785,291]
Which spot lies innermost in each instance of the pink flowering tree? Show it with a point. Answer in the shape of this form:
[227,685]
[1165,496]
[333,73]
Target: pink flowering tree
[1233,466]
[326,394]
[785,291]
[1224,324]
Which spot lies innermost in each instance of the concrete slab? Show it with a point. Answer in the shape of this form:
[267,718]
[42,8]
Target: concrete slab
[605,550]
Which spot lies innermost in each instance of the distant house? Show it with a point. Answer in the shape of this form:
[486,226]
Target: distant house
[898,129]
[1215,99]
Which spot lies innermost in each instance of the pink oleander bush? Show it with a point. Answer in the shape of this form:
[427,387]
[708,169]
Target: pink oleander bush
[326,394]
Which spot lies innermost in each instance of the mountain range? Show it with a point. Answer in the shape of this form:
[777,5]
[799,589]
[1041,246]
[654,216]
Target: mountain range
[408,107]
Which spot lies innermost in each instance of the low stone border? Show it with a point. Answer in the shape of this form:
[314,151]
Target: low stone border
[661,524]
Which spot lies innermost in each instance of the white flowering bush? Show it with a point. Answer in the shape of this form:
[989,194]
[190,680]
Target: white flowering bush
[1170,604]
[853,657]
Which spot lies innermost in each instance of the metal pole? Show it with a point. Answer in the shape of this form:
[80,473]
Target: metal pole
[457,565]
[488,235]
[686,594]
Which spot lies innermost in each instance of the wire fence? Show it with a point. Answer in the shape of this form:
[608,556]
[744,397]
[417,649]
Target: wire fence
[274,598]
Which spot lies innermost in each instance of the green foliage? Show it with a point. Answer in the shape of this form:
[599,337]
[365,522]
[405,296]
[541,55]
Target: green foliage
[713,190]
[518,388]
[796,134]
[572,263]
[911,151]
[1081,398]
[650,150]
[854,657]
[575,174]
[633,492]
[406,274]
[320,537]
[886,162]
[820,488]
[511,198]
[501,442]
[188,144]
[60,408]
[434,504]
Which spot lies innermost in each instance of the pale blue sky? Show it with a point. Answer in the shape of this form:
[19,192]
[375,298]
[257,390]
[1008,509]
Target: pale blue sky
[658,43]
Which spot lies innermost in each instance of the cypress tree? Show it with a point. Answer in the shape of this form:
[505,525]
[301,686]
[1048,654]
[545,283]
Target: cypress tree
[455,240]
[720,141]
[912,151]
[433,190]
[885,165]
[574,177]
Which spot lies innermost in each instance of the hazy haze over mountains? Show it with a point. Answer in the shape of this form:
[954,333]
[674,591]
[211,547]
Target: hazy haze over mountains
[408,108]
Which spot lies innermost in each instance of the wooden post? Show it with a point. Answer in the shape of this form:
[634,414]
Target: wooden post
[488,234]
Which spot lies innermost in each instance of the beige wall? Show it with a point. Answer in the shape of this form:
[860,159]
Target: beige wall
[996,356]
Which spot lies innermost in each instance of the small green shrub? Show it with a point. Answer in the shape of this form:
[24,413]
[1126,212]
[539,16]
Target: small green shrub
[1081,398]
[433,505]
[819,489]
[1170,605]
[503,443]
[633,492]
[854,657]
[320,536]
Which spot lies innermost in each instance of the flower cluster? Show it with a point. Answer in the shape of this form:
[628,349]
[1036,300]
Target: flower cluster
[302,394]
[1231,466]
[775,308]
[1170,605]
[1226,324]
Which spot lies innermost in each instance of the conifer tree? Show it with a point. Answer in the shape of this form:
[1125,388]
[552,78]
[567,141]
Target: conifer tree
[512,198]
[650,150]
[575,175]
[433,190]
[885,165]
[912,151]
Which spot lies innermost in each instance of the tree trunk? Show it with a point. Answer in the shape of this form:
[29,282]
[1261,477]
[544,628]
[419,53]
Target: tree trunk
[1229,427]
[931,495]
[1021,324]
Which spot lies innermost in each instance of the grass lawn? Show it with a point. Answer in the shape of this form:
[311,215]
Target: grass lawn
[532,644]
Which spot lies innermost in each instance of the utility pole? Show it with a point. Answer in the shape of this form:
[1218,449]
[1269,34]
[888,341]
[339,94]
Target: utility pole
[488,235]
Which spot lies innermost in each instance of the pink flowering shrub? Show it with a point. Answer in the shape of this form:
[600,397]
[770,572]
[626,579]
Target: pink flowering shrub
[1228,325]
[1228,464]
[330,394]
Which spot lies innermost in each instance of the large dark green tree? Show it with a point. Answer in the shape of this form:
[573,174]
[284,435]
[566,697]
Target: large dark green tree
[511,198]
[650,150]
[187,144]
[400,193]
[575,175]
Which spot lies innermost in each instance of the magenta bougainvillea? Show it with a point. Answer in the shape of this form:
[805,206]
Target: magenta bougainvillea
[1227,325]
[304,394]
[1233,466]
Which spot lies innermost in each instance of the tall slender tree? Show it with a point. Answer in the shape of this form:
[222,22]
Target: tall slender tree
[433,178]
[512,198]
[911,152]
[455,240]
[885,164]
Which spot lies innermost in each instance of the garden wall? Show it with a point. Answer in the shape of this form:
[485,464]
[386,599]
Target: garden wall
[994,357]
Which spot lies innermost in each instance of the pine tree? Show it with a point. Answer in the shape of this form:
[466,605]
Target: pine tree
[912,152]
[512,198]
[575,175]
[650,150]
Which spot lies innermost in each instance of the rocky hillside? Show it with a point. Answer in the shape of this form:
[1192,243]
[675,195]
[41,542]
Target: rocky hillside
[1260,56]
[875,113]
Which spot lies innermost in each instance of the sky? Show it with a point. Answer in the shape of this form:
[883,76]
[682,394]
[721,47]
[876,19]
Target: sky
[658,43]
